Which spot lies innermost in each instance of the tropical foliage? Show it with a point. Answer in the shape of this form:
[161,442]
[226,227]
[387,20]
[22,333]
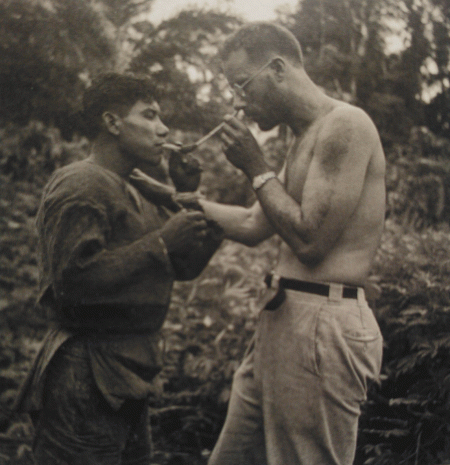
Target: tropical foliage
[51,49]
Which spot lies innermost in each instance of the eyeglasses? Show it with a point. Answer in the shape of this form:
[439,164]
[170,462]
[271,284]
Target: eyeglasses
[238,89]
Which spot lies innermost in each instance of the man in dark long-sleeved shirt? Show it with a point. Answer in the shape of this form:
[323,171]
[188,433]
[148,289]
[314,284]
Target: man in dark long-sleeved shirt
[108,259]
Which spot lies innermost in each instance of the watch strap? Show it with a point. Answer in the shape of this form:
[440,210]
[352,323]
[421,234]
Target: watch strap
[261,179]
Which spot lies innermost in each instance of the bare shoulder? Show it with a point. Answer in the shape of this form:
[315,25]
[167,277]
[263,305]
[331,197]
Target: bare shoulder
[347,134]
[351,121]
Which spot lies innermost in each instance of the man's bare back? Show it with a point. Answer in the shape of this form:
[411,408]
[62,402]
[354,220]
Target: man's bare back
[348,259]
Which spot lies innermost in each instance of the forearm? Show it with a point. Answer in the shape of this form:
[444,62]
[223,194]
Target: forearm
[244,225]
[109,270]
[289,221]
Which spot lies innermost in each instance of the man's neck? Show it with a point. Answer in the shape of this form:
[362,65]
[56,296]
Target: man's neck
[308,103]
[106,153]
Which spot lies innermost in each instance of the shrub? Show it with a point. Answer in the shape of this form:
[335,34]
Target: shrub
[31,153]
[407,419]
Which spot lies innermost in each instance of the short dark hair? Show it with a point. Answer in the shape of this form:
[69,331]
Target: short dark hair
[114,92]
[260,38]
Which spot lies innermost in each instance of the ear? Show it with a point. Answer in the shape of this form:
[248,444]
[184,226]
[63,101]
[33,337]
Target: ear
[111,122]
[279,66]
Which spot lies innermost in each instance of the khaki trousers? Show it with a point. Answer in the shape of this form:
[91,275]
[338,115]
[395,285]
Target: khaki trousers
[297,394]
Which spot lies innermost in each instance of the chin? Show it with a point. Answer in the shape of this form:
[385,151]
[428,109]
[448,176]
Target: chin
[156,160]
[265,125]
[153,159]
[156,152]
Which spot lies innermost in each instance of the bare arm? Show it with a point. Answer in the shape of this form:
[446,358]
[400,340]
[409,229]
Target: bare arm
[314,216]
[246,225]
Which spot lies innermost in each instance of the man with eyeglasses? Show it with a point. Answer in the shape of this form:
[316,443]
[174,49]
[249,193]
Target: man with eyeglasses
[296,396]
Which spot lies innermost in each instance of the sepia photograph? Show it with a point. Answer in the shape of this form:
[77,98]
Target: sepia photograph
[224,232]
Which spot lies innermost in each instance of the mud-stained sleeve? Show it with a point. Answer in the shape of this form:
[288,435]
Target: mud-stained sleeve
[82,267]
[79,233]
[68,232]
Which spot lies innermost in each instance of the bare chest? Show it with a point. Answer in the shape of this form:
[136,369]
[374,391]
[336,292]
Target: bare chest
[298,164]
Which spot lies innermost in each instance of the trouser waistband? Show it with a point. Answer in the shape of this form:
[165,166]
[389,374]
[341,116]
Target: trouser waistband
[328,290]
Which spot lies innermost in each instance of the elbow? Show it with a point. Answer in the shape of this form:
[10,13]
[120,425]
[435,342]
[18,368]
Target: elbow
[78,285]
[251,240]
[309,259]
[310,254]
[308,246]
[74,291]
[252,233]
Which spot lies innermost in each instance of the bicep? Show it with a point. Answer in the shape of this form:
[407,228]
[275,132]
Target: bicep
[336,177]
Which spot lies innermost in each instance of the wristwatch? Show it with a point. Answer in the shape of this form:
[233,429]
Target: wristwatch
[261,179]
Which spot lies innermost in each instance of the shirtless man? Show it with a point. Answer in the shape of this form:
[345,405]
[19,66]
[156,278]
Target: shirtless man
[296,396]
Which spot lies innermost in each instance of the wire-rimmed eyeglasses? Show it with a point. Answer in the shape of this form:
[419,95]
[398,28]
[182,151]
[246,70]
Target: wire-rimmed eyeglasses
[238,89]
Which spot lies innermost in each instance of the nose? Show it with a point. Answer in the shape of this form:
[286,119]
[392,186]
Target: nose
[162,129]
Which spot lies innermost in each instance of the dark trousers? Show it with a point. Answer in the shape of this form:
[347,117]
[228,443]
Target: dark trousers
[78,427]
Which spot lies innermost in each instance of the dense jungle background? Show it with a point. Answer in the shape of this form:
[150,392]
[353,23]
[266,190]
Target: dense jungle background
[49,52]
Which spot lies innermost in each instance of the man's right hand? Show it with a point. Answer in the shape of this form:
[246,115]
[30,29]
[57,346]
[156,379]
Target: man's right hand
[184,230]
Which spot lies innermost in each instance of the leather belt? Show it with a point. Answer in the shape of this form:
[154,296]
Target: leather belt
[348,292]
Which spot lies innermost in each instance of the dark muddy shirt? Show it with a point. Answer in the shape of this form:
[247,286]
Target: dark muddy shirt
[106,277]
